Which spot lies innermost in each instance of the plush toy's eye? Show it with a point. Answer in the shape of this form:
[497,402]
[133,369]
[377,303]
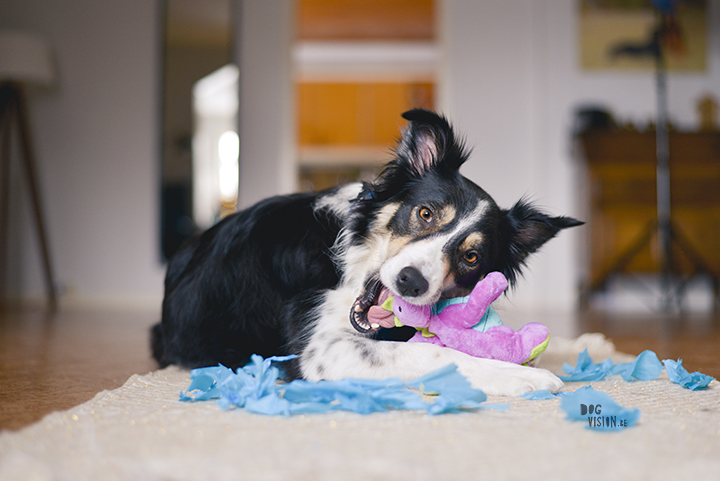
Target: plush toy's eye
[425,214]
[470,257]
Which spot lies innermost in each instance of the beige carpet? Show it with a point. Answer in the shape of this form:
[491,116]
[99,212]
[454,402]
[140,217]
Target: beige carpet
[142,432]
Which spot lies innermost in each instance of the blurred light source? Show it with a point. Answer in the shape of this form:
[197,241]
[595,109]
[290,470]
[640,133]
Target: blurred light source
[228,151]
[215,146]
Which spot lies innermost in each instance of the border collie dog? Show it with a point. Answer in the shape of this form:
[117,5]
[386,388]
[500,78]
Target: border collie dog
[297,274]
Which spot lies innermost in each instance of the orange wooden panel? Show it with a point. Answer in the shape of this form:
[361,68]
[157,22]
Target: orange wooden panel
[356,113]
[327,114]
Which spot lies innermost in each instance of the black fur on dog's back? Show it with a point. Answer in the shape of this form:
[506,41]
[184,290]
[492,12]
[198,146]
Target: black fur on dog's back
[245,285]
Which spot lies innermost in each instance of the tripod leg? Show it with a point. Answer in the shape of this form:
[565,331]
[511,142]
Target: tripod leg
[620,262]
[5,128]
[667,265]
[29,160]
[686,247]
[698,261]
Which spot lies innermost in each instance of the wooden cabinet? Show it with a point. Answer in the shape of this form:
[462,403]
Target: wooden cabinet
[349,104]
[621,168]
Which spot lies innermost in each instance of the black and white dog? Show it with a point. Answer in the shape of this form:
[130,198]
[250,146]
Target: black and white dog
[297,274]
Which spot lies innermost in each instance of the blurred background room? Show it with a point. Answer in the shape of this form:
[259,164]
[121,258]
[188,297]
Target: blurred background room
[157,118]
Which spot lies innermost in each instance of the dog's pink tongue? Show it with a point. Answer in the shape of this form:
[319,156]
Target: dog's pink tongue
[378,315]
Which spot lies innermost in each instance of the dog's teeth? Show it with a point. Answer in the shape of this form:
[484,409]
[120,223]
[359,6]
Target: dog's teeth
[358,308]
[375,325]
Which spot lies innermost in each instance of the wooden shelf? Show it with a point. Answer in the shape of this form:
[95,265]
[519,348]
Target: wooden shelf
[343,155]
[622,197]
[366,61]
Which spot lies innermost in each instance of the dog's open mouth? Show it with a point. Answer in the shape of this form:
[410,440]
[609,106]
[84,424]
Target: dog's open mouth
[361,317]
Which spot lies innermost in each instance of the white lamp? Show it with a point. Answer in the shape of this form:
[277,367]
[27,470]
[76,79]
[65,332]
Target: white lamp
[25,59]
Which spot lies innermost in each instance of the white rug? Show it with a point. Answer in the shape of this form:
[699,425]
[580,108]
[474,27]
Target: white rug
[142,432]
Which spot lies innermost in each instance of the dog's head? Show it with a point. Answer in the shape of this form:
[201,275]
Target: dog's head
[433,233]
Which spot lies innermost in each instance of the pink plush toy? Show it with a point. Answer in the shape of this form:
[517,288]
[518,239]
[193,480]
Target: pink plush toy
[455,324]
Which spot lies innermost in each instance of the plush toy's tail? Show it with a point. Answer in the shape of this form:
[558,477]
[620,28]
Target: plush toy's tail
[537,335]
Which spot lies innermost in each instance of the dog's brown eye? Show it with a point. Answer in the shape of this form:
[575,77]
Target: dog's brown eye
[425,214]
[470,257]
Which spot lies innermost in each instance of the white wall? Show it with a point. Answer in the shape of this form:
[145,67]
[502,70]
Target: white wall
[266,114]
[97,147]
[511,82]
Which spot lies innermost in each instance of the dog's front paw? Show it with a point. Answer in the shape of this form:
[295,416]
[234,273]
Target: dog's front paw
[532,379]
[506,379]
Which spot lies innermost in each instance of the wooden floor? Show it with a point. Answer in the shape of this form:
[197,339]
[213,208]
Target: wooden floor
[50,362]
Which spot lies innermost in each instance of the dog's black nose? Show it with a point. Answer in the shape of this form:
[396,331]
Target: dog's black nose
[411,283]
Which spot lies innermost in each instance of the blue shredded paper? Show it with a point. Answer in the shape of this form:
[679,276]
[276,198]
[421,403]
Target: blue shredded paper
[645,367]
[255,388]
[678,374]
[598,410]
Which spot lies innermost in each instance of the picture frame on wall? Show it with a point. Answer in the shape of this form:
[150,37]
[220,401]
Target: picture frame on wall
[613,34]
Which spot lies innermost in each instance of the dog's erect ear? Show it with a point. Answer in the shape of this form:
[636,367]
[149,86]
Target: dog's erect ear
[429,142]
[529,229]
